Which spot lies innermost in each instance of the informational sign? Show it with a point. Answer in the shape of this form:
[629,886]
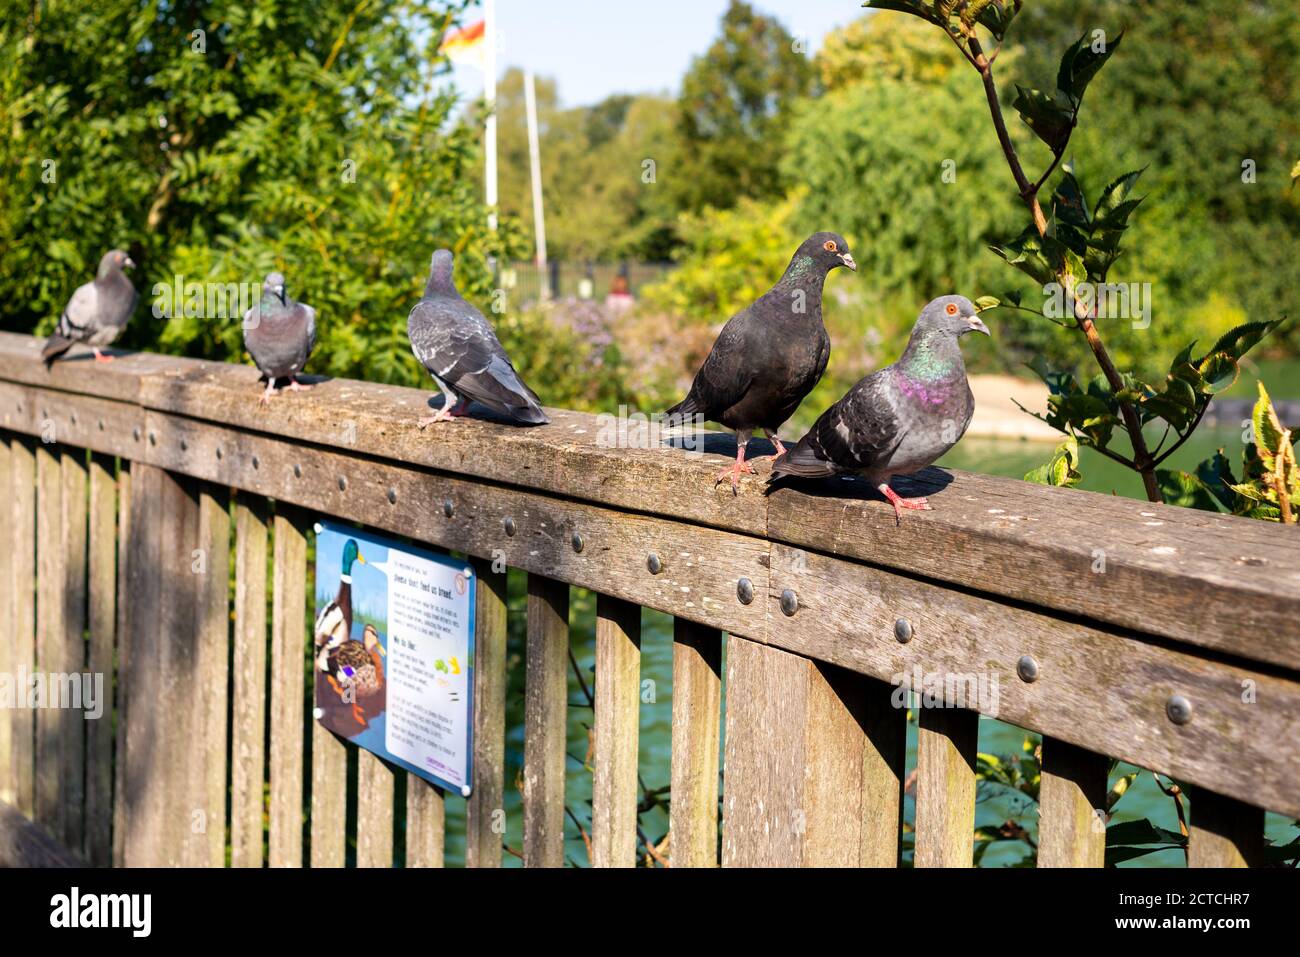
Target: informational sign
[394,652]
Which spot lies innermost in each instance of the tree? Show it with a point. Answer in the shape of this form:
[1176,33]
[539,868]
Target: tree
[217,141]
[734,110]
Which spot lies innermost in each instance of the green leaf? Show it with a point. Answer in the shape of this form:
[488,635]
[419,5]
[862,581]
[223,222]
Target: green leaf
[1047,114]
[1037,256]
[1081,63]
[1068,202]
[996,17]
[1062,469]
[1240,340]
[1115,196]
[1185,489]
[1216,474]
[1127,833]
[987,302]
[1219,370]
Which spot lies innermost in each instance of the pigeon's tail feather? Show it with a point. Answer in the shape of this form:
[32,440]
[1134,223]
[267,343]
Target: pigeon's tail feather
[55,346]
[801,462]
[688,406]
[511,398]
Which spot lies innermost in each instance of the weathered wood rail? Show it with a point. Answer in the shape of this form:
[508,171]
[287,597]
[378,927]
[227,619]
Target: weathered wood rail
[113,478]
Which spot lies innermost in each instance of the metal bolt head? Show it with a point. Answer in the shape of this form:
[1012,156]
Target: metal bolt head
[903,630]
[257,463]
[153,438]
[509,526]
[789,602]
[343,483]
[1179,709]
[392,496]
[185,446]
[218,447]
[448,507]
[135,434]
[297,470]
[1027,668]
[745,591]
[576,541]
[653,563]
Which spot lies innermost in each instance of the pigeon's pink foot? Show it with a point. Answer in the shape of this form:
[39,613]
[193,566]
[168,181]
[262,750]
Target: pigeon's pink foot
[780,449]
[900,503]
[734,472]
[446,413]
[296,386]
[100,357]
[265,398]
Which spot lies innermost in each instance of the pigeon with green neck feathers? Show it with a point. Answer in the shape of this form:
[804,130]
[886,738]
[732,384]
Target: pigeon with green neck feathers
[97,312]
[770,355]
[899,419]
[279,334]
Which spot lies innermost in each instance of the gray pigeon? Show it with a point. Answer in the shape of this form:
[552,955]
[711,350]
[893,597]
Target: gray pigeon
[770,355]
[899,419]
[279,334]
[97,312]
[457,345]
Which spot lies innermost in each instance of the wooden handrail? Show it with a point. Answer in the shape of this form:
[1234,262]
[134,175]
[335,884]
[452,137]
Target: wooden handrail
[1214,581]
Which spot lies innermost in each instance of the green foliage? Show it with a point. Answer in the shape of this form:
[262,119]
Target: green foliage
[308,139]
[734,110]
[1062,469]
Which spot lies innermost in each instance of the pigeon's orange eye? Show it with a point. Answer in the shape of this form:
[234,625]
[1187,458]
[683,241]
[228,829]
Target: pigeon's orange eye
[952,309]
[830,245]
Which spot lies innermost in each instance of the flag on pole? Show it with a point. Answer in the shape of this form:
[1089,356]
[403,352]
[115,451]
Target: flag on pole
[467,46]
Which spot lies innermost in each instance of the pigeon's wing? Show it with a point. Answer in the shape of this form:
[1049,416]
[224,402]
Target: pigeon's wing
[852,435]
[81,315]
[726,374]
[457,345]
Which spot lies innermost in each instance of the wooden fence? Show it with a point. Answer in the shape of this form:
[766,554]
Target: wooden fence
[1165,637]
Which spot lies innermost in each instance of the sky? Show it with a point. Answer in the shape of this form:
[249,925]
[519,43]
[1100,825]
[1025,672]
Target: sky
[594,49]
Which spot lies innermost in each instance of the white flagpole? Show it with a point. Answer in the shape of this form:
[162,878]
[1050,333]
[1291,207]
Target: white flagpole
[490,95]
[535,161]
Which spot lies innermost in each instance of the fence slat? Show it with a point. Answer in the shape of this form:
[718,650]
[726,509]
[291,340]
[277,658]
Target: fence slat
[72,655]
[8,640]
[1072,806]
[49,633]
[102,620]
[618,701]
[122,684]
[248,742]
[485,809]
[329,798]
[23,478]
[795,760]
[1224,832]
[288,665]
[884,768]
[945,787]
[697,696]
[212,672]
[426,823]
[545,721]
[375,788]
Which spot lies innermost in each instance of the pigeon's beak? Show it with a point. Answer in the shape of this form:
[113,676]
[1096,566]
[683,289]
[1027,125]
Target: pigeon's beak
[977,325]
[128,262]
[847,259]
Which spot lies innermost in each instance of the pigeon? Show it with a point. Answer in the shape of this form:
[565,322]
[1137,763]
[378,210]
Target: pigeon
[770,355]
[456,344]
[279,334]
[901,418]
[97,312]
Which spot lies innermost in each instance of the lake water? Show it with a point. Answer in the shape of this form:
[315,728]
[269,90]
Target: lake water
[1010,458]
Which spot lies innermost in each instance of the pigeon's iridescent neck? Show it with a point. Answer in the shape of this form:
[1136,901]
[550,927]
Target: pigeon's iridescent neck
[931,370]
[802,269]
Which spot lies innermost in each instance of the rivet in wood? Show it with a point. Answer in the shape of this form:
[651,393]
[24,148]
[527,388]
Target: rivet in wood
[343,483]
[789,602]
[153,438]
[257,463]
[135,434]
[576,541]
[653,563]
[1027,668]
[745,591]
[509,526]
[448,507]
[184,445]
[73,418]
[101,425]
[903,630]
[392,496]
[1179,709]
[218,451]
[297,470]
